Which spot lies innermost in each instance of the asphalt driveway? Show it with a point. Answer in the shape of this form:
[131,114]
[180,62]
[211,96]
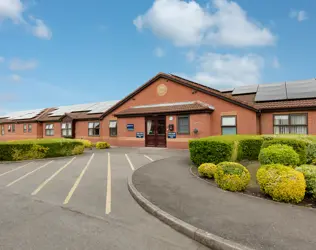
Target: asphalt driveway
[81,203]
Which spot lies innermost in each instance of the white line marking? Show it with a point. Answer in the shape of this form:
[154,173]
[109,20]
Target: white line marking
[108,188]
[148,158]
[52,177]
[130,163]
[29,173]
[15,169]
[72,190]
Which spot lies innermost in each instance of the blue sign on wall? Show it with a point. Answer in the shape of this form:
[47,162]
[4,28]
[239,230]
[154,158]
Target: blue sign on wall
[130,127]
[139,135]
[172,135]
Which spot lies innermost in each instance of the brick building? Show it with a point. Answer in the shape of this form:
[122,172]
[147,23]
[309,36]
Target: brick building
[168,110]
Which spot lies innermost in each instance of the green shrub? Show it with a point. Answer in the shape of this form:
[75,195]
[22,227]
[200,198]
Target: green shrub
[34,149]
[310,152]
[35,152]
[206,150]
[249,149]
[78,150]
[232,176]
[207,170]
[298,144]
[86,143]
[309,172]
[279,154]
[102,145]
[281,183]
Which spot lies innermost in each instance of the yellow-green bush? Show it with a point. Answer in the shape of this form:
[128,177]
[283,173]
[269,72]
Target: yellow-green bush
[78,150]
[309,172]
[102,145]
[86,143]
[35,152]
[279,154]
[207,170]
[282,183]
[36,149]
[232,176]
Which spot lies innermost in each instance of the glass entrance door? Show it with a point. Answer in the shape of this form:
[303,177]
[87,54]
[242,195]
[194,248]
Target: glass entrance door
[155,131]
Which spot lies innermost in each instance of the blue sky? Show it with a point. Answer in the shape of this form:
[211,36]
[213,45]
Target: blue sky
[66,52]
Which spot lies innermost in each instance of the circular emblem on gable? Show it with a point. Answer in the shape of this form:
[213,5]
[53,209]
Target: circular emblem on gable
[162,89]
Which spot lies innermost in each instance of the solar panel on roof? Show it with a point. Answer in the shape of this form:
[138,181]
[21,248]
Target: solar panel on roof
[301,89]
[249,89]
[21,115]
[102,107]
[226,90]
[271,92]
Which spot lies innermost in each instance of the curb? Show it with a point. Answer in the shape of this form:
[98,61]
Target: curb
[210,240]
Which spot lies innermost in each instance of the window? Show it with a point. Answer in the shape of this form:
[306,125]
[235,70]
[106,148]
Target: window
[49,129]
[290,124]
[13,128]
[9,128]
[113,128]
[94,129]
[66,129]
[2,129]
[24,128]
[229,125]
[183,124]
[30,128]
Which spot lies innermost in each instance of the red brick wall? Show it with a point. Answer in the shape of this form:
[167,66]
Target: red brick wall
[19,134]
[267,121]
[207,124]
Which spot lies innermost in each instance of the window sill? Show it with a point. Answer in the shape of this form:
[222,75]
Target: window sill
[93,135]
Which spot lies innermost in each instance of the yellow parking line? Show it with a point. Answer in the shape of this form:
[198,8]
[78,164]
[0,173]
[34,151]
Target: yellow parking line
[148,158]
[15,169]
[130,163]
[52,177]
[29,173]
[108,188]
[72,190]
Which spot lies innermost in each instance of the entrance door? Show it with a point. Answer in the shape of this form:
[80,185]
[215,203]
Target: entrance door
[155,131]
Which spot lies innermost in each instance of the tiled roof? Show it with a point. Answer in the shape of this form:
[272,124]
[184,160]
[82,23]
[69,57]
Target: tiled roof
[167,108]
[75,116]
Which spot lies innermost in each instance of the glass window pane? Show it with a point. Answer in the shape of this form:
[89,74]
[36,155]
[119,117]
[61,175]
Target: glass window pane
[150,127]
[63,125]
[281,120]
[298,119]
[90,125]
[96,125]
[113,131]
[229,130]
[96,131]
[183,125]
[301,130]
[64,132]
[90,132]
[281,130]
[229,121]
[161,129]
[112,124]
[69,125]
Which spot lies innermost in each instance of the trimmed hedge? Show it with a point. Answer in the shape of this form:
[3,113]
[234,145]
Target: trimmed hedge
[309,172]
[207,170]
[86,143]
[281,183]
[232,176]
[102,145]
[297,144]
[279,154]
[249,148]
[35,149]
[207,150]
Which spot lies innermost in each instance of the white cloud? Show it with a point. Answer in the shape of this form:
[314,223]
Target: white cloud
[14,9]
[228,70]
[185,23]
[11,9]
[40,29]
[159,52]
[276,63]
[2,59]
[15,78]
[300,15]
[19,65]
